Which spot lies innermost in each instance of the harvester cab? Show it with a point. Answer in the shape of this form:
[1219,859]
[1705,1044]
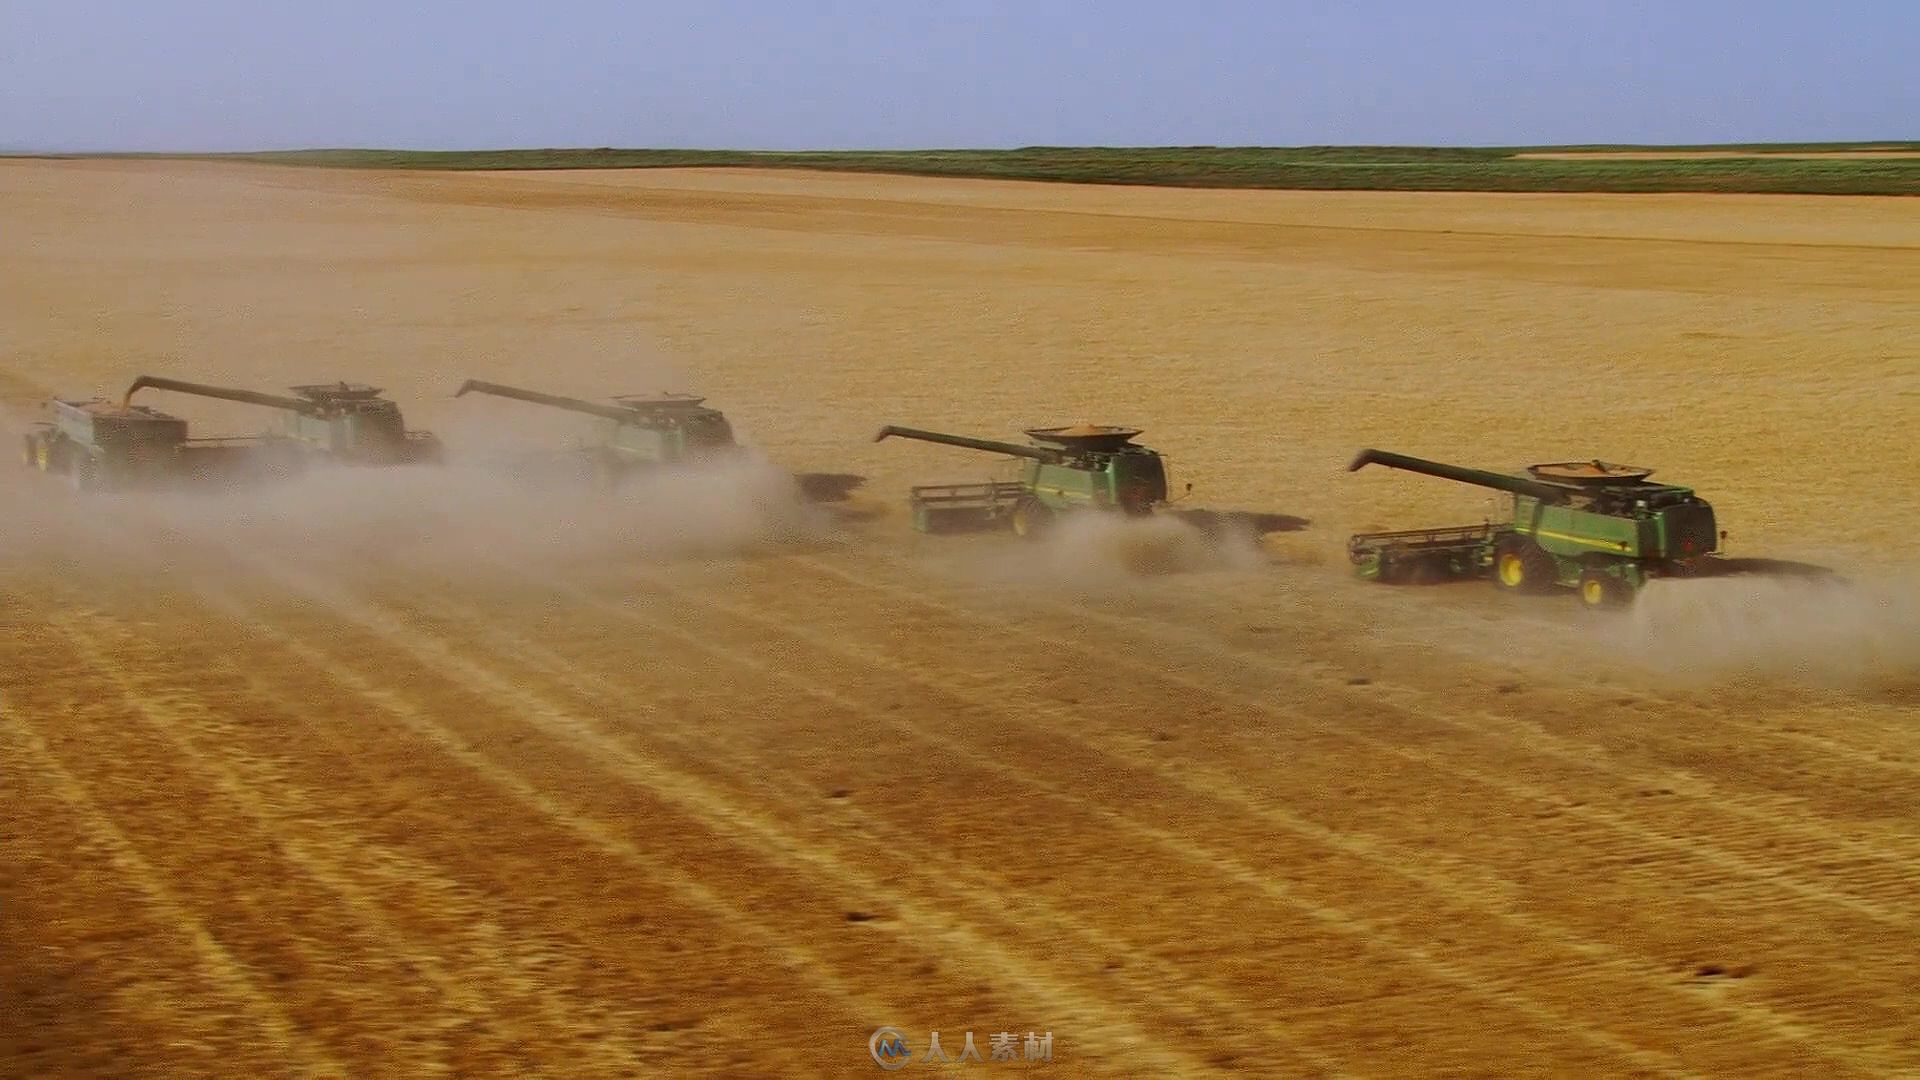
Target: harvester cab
[1086,466]
[635,430]
[1603,529]
[349,423]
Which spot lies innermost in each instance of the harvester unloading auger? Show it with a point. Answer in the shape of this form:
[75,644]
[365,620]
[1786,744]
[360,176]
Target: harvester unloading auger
[348,423]
[1087,466]
[661,429]
[1602,529]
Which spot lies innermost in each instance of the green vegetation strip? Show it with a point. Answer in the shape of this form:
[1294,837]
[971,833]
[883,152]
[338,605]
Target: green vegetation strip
[1376,168]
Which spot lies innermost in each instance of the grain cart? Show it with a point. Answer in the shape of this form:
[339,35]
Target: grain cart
[639,430]
[108,446]
[1601,529]
[348,423]
[1088,466]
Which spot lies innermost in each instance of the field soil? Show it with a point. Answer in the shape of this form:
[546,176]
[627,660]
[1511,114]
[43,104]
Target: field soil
[484,770]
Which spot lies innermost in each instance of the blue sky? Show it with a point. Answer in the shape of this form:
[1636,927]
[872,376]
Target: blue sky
[257,74]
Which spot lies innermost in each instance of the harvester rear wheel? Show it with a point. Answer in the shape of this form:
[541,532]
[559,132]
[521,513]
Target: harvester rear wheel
[1520,566]
[1599,589]
[32,457]
[1031,519]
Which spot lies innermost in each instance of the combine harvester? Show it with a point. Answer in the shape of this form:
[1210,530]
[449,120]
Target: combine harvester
[639,431]
[343,423]
[1600,529]
[647,431]
[102,445]
[1068,469]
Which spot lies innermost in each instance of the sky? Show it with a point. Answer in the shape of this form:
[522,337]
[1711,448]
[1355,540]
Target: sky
[843,74]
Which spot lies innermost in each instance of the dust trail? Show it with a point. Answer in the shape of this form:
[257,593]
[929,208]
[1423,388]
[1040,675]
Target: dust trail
[1092,553]
[458,520]
[1772,629]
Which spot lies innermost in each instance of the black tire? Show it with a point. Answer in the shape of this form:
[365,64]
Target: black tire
[32,452]
[1519,566]
[1599,589]
[1031,518]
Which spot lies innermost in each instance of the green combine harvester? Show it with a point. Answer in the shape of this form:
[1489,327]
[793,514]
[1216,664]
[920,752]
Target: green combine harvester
[343,423]
[637,430]
[100,445]
[1601,529]
[1067,469]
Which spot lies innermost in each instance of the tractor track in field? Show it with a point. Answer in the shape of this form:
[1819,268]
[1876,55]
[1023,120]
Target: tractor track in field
[658,859]
[760,839]
[853,834]
[1776,1025]
[497,979]
[1877,904]
[325,844]
[1874,884]
[1395,861]
[533,713]
[590,1043]
[1356,620]
[106,807]
[1763,876]
[1898,853]
[1442,621]
[1499,990]
[397,639]
[1838,1012]
[1328,649]
[278,1047]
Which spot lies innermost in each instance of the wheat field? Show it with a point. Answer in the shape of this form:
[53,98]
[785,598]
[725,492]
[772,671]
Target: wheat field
[434,772]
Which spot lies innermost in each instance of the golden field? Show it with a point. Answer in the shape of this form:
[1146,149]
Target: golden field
[429,772]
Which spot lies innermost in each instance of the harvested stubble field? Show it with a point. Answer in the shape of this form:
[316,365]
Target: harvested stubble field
[438,772]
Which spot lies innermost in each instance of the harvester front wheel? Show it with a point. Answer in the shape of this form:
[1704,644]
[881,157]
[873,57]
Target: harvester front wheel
[1031,519]
[85,472]
[606,473]
[1520,566]
[1599,589]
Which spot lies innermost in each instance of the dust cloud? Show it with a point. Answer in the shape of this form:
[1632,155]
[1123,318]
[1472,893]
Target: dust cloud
[1810,632]
[460,520]
[1093,553]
